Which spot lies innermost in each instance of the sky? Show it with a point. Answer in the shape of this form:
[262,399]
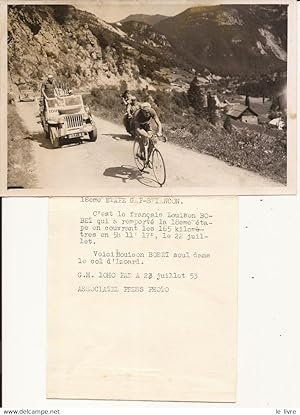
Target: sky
[118,10]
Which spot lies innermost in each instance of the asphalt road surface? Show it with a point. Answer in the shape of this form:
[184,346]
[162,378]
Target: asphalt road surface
[108,164]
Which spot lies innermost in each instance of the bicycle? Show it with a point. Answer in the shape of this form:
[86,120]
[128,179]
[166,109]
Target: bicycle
[155,162]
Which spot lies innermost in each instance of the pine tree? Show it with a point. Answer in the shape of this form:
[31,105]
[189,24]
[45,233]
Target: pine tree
[195,96]
[227,124]
[212,109]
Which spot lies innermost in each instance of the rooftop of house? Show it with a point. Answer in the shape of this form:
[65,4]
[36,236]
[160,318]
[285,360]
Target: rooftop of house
[238,109]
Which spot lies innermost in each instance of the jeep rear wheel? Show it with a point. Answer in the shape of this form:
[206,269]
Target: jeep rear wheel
[93,135]
[54,137]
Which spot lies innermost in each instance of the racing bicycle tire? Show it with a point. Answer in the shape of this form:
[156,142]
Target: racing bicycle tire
[137,155]
[158,166]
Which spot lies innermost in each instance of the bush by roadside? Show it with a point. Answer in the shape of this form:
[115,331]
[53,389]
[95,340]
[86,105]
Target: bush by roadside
[260,153]
[19,152]
[106,103]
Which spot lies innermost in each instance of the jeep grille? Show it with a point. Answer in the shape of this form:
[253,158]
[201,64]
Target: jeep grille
[74,121]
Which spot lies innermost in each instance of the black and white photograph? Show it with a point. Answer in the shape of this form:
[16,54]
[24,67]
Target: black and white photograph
[150,98]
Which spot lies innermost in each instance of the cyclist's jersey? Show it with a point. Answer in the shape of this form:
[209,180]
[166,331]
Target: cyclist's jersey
[141,118]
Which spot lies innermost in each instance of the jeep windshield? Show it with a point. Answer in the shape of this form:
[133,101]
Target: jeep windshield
[73,100]
[24,87]
[54,102]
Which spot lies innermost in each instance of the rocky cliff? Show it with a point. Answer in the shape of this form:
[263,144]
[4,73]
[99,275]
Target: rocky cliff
[74,45]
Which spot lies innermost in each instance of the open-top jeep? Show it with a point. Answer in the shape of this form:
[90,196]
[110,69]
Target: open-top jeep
[66,118]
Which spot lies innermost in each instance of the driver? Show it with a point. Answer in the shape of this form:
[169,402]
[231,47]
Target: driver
[142,126]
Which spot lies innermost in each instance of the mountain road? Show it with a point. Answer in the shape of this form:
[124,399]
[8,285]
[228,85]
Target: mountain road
[108,163]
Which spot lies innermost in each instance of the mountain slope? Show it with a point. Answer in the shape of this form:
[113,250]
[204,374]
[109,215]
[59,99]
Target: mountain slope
[144,18]
[86,51]
[74,45]
[230,38]
[144,33]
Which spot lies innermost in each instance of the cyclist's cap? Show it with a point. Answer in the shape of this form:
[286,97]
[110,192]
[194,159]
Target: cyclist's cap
[146,106]
[50,76]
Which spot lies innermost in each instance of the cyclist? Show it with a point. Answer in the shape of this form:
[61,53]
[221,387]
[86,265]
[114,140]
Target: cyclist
[142,127]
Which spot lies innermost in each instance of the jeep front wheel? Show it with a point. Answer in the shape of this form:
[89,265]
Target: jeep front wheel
[54,137]
[47,131]
[93,135]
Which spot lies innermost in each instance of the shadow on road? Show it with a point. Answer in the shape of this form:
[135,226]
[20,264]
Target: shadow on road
[126,173]
[67,142]
[126,137]
[123,172]
[46,143]
[41,139]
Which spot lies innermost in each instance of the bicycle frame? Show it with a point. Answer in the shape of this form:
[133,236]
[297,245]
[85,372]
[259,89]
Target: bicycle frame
[155,158]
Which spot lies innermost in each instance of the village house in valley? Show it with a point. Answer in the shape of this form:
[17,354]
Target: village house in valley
[243,113]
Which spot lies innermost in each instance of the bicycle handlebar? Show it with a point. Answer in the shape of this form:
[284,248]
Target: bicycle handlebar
[162,138]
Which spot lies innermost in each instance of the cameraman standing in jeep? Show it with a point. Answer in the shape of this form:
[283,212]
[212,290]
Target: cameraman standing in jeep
[48,87]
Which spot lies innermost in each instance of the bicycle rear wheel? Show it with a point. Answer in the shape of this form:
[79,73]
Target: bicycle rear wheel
[159,168]
[137,155]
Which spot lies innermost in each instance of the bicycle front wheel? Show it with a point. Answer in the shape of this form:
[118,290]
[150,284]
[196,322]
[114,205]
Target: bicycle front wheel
[138,156]
[159,168]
